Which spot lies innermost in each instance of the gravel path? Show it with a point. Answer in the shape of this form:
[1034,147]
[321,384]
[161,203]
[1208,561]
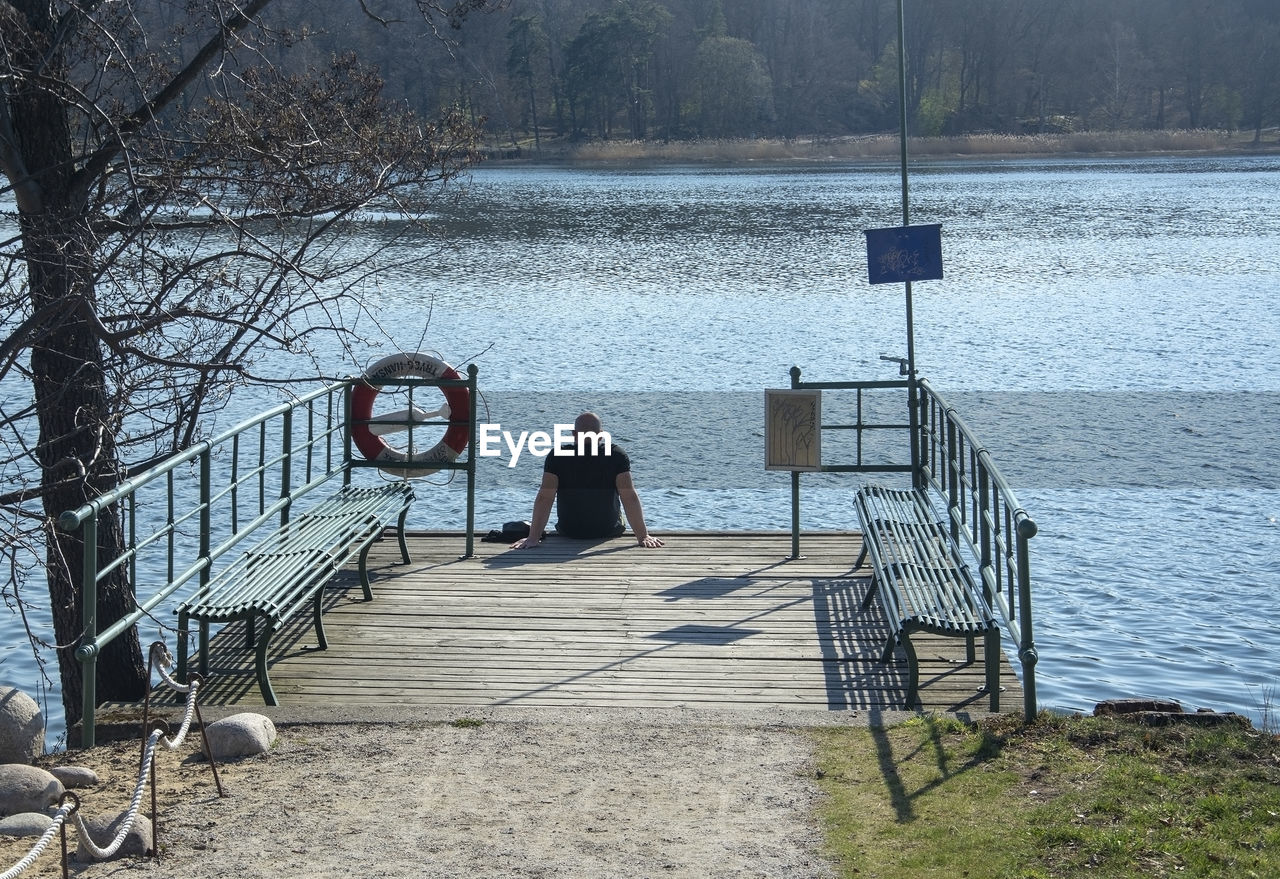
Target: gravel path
[611,794]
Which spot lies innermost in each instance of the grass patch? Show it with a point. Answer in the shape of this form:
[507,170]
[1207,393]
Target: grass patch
[1066,797]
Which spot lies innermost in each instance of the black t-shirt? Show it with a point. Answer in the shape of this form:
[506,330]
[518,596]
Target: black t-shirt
[587,502]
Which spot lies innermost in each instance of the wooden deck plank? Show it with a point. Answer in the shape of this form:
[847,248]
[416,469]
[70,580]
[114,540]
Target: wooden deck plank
[723,620]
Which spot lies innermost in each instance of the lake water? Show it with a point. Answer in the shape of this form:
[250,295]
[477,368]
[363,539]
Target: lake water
[1107,326]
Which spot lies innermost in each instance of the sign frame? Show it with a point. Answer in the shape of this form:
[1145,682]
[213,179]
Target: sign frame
[793,429]
[904,254]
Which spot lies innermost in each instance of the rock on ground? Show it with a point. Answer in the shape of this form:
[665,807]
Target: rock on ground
[75,776]
[240,735]
[21,727]
[25,824]
[103,830]
[26,788]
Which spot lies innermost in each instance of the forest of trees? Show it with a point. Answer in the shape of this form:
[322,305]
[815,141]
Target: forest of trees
[679,69]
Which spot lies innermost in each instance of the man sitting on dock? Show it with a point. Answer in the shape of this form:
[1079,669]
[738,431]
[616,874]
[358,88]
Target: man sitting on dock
[590,487]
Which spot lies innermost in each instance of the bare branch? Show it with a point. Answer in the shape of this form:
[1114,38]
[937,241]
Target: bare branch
[369,13]
[174,89]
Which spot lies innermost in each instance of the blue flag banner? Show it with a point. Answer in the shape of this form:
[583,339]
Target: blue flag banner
[904,253]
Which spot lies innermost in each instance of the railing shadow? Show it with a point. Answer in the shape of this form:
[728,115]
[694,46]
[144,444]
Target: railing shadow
[232,674]
[850,641]
[903,797]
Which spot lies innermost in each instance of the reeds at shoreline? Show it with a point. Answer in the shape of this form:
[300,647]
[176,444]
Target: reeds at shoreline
[886,146]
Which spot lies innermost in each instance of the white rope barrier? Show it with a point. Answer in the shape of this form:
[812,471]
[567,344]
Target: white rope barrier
[43,843]
[161,660]
[103,853]
[172,744]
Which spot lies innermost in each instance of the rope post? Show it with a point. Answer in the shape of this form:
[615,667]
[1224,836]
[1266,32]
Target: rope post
[155,811]
[159,655]
[75,807]
[157,725]
[198,681]
[162,649]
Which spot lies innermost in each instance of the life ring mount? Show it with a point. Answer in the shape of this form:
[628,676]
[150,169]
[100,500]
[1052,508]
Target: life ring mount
[367,431]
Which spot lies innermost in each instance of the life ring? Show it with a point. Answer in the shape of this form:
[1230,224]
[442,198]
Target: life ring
[364,426]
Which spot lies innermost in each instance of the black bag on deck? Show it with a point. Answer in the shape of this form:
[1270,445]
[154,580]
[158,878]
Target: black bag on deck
[510,533]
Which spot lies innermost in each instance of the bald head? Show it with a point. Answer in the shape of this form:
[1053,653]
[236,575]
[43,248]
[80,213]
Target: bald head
[587,422]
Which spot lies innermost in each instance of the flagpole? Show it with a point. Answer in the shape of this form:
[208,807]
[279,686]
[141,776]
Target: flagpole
[912,395]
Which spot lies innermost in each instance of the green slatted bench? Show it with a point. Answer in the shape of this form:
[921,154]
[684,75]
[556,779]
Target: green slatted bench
[923,583]
[289,568]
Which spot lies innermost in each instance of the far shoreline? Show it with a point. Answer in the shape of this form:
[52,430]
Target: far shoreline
[886,148]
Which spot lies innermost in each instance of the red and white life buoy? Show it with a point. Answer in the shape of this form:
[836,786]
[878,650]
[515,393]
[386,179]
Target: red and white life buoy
[367,430]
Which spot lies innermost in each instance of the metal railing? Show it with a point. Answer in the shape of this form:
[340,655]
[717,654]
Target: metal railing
[944,458]
[985,518]
[184,514]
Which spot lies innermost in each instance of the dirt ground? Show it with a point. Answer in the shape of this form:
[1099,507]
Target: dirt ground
[615,795]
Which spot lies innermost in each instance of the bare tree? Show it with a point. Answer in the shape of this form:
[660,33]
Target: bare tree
[178,206]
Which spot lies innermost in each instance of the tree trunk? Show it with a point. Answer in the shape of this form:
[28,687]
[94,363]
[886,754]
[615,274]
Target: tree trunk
[76,449]
[78,460]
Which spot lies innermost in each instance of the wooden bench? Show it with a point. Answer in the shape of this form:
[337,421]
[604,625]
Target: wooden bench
[289,568]
[924,584]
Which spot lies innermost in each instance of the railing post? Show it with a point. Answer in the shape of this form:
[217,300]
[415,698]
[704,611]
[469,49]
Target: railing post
[206,543]
[87,652]
[1027,653]
[861,428]
[310,443]
[924,442]
[286,465]
[472,372]
[983,484]
[914,421]
[953,480]
[346,432]
[795,486]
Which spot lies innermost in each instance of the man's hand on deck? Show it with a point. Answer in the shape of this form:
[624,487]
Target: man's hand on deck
[526,543]
[649,541]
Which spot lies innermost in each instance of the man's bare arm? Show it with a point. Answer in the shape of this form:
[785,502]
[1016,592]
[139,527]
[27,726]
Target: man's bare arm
[542,504]
[635,512]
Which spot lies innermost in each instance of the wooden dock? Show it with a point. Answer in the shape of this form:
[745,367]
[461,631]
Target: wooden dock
[709,621]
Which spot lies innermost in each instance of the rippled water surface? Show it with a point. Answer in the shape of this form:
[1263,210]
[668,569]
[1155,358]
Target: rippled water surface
[1109,328]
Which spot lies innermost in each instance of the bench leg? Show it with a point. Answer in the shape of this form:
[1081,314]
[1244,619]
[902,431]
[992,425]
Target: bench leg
[862,556]
[913,672]
[889,647]
[871,591]
[264,682]
[991,649]
[364,569]
[970,652]
[404,546]
[318,612]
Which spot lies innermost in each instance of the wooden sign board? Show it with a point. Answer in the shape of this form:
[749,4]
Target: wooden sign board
[792,430]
